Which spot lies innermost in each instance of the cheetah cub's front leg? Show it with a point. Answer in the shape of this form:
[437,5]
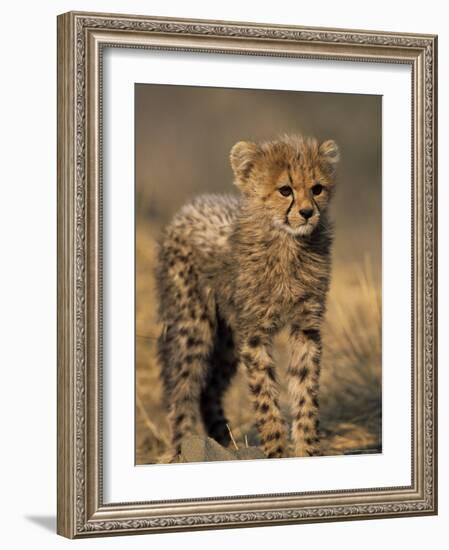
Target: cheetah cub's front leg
[257,359]
[303,384]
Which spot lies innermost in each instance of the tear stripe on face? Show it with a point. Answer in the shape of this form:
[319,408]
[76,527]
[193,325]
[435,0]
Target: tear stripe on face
[289,209]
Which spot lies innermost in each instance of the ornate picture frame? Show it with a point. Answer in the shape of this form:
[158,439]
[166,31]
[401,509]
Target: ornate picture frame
[82,40]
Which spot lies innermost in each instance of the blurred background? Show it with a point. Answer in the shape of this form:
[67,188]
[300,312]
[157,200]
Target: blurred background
[183,136]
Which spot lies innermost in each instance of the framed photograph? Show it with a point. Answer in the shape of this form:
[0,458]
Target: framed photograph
[246,274]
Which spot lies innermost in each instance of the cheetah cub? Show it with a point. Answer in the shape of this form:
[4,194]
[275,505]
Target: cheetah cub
[232,272]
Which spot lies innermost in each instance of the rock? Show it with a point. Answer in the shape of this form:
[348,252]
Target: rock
[249,453]
[203,449]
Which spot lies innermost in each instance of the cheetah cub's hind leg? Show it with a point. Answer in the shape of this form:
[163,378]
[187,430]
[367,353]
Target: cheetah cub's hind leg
[184,348]
[184,355]
[223,366]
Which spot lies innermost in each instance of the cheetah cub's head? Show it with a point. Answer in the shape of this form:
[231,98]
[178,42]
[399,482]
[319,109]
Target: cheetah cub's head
[288,182]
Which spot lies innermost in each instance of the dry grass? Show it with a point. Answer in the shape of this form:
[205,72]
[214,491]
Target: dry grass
[351,371]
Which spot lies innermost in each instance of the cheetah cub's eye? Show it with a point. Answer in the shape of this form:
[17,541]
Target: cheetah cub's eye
[317,188]
[285,190]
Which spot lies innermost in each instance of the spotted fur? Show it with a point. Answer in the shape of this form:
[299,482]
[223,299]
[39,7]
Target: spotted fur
[232,273]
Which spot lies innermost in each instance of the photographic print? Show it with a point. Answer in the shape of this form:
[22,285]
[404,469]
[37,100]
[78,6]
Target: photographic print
[258,261]
[246,274]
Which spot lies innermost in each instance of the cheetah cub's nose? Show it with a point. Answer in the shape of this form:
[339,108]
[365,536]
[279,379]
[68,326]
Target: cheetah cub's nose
[306,213]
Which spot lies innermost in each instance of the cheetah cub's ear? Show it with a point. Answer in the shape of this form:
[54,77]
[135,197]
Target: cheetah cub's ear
[243,156]
[329,155]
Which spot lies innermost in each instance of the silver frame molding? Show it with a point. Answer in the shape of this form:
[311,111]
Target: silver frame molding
[81,39]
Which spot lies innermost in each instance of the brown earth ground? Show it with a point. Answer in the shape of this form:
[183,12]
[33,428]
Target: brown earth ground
[351,371]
